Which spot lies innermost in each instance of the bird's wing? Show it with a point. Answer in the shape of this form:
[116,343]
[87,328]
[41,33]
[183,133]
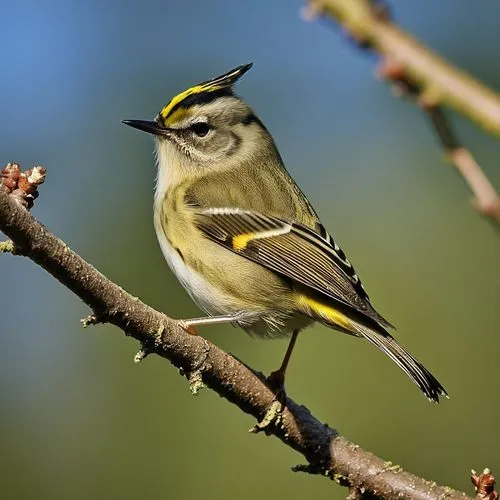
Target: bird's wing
[316,262]
[291,250]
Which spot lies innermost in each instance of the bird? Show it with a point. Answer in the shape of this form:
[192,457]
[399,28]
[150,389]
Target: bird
[243,239]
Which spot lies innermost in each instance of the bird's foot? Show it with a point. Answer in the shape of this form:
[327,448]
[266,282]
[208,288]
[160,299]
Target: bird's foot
[187,327]
[274,414]
[276,382]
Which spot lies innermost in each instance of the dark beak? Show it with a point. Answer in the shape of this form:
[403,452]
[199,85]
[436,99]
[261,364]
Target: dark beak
[150,127]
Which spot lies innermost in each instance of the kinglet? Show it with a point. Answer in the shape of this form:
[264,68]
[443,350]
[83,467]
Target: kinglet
[241,236]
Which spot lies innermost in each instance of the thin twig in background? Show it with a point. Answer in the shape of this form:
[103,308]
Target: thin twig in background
[486,199]
[203,363]
[424,76]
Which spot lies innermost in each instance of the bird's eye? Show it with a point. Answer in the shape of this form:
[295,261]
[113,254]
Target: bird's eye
[201,129]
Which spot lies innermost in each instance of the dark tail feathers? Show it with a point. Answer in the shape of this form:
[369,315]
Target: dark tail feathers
[428,384]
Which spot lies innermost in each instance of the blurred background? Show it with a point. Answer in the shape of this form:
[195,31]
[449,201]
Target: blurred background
[78,419]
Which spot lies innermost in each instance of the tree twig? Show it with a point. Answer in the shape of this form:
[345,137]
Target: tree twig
[326,451]
[428,79]
[486,199]
[447,84]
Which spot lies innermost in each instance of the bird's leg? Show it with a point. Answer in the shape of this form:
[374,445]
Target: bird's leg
[276,379]
[276,382]
[190,324]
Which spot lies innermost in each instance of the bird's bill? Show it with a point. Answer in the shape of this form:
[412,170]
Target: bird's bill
[145,126]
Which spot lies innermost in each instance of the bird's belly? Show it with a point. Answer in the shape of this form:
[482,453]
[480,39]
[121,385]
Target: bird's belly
[207,296]
[261,322]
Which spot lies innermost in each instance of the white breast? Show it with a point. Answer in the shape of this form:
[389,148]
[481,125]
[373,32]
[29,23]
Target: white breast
[209,298]
[201,291]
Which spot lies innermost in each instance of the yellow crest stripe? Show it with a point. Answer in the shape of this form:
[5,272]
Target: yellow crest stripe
[220,82]
[197,89]
[178,115]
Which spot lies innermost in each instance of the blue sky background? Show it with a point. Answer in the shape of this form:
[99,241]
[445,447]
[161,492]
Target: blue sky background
[78,419]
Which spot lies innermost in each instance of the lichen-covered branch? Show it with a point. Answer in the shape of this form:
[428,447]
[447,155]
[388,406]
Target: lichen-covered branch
[326,452]
[6,246]
[429,80]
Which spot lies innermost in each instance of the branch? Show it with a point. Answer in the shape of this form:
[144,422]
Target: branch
[202,362]
[428,79]
[486,199]
[448,84]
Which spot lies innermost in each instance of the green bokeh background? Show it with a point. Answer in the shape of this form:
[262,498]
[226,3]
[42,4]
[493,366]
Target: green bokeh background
[78,419]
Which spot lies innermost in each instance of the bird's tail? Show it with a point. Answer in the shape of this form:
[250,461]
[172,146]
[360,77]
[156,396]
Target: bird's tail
[427,383]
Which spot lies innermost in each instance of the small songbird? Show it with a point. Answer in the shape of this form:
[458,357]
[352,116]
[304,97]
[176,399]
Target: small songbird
[241,236]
